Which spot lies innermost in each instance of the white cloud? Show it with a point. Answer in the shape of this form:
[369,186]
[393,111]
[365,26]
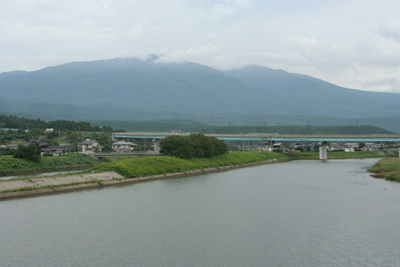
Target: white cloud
[351,43]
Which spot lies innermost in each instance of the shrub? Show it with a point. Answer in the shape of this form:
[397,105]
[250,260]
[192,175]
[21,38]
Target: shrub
[30,152]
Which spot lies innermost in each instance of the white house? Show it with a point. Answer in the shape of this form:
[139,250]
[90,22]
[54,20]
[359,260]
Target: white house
[122,146]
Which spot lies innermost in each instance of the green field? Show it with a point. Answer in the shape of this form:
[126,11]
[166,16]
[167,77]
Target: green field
[10,165]
[388,168]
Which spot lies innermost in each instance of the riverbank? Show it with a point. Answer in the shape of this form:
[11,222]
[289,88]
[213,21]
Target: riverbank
[387,168]
[60,184]
[74,161]
[130,170]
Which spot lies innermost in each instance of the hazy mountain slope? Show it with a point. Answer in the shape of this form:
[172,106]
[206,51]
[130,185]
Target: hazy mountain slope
[311,96]
[132,83]
[115,88]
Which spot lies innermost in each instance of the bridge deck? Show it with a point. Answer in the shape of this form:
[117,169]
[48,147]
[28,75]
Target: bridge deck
[274,137]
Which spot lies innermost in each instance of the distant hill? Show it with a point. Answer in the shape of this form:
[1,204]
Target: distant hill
[306,95]
[131,88]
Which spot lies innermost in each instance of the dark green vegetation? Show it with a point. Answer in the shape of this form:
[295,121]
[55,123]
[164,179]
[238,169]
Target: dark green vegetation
[130,89]
[388,168]
[194,145]
[140,167]
[23,123]
[30,152]
[9,165]
[195,126]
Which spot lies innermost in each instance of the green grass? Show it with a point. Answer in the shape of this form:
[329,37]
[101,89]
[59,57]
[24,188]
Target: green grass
[357,154]
[148,166]
[9,165]
[388,168]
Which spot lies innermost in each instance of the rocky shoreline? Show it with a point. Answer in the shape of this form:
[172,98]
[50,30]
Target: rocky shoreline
[60,184]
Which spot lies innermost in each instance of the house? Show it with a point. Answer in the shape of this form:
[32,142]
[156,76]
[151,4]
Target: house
[352,145]
[55,150]
[40,143]
[348,148]
[49,130]
[279,147]
[88,146]
[335,147]
[13,146]
[122,146]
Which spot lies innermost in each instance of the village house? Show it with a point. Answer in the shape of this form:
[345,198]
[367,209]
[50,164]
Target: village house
[122,146]
[89,146]
[335,147]
[279,147]
[13,146]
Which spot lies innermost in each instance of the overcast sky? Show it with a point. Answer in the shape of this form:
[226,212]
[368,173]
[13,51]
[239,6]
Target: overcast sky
[352,43]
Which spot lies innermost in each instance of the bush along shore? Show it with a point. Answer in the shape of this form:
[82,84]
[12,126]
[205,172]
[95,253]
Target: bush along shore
[387,168]
[128,170]
[12,166]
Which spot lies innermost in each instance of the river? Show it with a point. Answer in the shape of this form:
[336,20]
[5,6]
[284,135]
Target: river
[299,213]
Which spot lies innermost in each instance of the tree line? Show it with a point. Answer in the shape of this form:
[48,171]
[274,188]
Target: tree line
[22,123]
[192,146]
[201,127]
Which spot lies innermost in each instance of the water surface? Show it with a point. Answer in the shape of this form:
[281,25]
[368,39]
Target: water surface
[300,213]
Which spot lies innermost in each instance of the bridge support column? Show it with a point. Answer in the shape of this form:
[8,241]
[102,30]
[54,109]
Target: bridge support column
[156,144]
[323,152]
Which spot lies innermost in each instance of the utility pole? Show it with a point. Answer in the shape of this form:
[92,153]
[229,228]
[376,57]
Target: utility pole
[308,127]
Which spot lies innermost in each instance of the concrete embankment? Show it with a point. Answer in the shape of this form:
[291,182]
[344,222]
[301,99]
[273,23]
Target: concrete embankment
[52,185]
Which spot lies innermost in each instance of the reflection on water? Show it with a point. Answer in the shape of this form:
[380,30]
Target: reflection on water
[301,213]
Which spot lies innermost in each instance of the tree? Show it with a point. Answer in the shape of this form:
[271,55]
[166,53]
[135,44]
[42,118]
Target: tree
[74,138]
[361,145]
[107,148]
[30,152]
[194,145]
[176,146]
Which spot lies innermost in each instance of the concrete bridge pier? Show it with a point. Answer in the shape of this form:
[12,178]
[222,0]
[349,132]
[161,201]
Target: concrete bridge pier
[323,151]
[156,144]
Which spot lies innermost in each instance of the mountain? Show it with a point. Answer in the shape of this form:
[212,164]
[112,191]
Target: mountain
[130,83]
[310,96]
[126,88]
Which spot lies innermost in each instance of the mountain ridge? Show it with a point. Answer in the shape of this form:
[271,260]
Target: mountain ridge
[148,86]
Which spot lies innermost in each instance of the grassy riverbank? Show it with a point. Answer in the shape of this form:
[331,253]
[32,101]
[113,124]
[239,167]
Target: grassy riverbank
[387,168]
[9,165]
[141,167]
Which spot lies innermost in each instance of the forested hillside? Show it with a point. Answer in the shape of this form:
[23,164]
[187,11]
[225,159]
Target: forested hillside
[118,88]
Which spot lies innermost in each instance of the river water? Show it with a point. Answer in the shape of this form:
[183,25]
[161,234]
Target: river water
[300,213]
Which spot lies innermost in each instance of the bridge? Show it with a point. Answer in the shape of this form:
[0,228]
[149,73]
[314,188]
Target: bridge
[269,138]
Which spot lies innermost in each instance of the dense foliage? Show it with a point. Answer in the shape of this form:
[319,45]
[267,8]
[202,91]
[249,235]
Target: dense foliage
[194,145]
[30,152]
[201,127]
[58,125]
